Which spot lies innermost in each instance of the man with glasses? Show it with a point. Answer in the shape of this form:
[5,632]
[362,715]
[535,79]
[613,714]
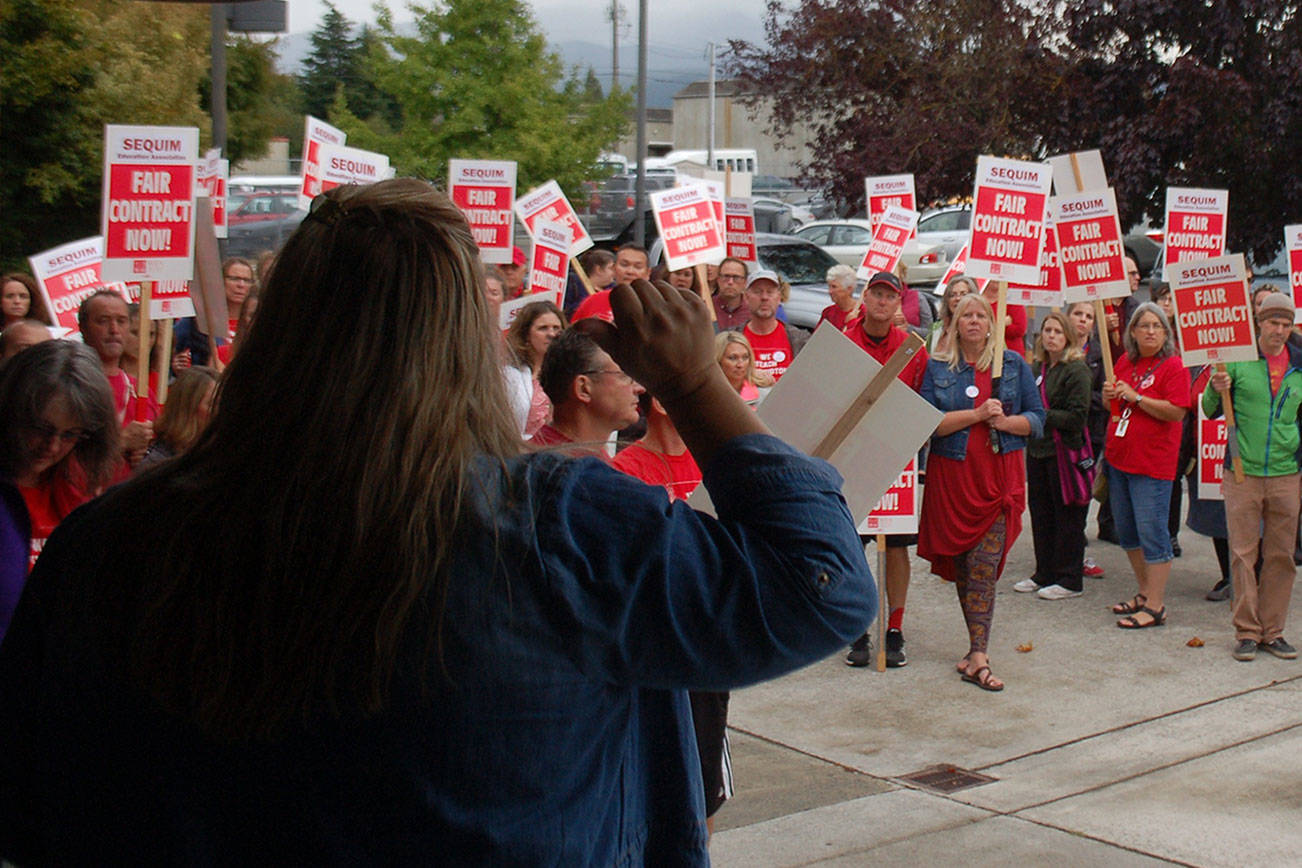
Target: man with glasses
[591,396]
[774,343]
[730,307]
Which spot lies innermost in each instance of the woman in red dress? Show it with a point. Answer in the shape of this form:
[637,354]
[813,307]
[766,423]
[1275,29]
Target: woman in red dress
[976,474]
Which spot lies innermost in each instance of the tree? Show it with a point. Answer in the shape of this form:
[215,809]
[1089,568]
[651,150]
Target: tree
[332,63]
[1200,95]
[477,81]
[257,98]
[896,86]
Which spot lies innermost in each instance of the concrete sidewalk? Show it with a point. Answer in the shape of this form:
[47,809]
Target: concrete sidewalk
[1108,747]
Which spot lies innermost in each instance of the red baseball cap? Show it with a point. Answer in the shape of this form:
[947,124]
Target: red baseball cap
[517,256]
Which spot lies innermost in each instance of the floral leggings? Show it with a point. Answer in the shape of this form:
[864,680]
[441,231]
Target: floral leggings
[976,574]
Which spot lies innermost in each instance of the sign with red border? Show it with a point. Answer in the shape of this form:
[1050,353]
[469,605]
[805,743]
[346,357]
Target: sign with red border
[885,191]
[1048,292]
[341,165]
[1293,252]
[548,202]
[740,229]
[956,267]
[898,509]
[214,176]
[691,234]
[894,229]
[550,264]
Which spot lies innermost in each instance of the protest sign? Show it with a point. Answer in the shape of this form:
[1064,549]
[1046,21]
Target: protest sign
[550,264]
[548,202]
[1212,442]
[484,190]
[806,404]
[69,274]
[886,191]
[892,232]
[343,165]
[740,230]
[956,267]
[316,133]
[735,184]
[1293,254]
[1009,203]
[148,199]
[1078,172]
[214,174]
[687,225]
[897,511]
[171,300]
[1213,310]
[1090,252]
[1048,292]
[715,191]
[1195,224]
[507,313]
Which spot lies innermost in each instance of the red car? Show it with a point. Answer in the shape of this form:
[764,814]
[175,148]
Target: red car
[264,206]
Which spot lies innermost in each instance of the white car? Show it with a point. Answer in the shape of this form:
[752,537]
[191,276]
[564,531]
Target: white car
[947,227]
[847,240]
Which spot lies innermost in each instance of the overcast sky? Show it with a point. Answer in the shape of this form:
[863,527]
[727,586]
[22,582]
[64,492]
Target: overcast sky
[674,26]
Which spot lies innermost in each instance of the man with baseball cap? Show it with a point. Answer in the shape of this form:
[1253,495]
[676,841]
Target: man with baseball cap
[774,343]
[874,330]
[514,272]
[1261,512]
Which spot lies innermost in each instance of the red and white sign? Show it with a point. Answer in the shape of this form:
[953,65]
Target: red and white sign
[315,134]
[1089,246]
[894,229]
[685,217]
[739,231]
[170,299]
[1048,292]
[548,202]
[507,313]
[1213,310]
[1212,441]
[69,274]
[1293,248]
[717,193]
[342,165]
[886,191]
[897,511]
[149,192]
[1009,204]
[1195,224]
[484,190]
[956,267]
[551,261]
[214,174]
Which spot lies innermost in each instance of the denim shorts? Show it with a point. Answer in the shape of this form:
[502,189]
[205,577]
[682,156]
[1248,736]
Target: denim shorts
[1140,507]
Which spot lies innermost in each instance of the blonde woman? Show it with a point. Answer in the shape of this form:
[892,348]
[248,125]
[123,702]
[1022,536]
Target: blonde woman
[972,511]
[959,285]
[733,353]
[1054,476]
[184,416]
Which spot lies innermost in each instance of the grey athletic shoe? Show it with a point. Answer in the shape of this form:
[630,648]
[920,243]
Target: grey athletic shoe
[895,649]
[1246,649]
[861,652]
[1279,648]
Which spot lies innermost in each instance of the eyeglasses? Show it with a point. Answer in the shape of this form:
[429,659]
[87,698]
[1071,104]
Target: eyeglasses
[731,278]
[43,433]
[623,378]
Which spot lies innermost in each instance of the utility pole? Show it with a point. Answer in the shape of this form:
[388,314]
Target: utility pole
[217,19]
[613,12]
[709,147]
[639,218]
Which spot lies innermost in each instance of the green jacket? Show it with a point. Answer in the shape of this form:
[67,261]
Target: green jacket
[1268,427]
[1068,388]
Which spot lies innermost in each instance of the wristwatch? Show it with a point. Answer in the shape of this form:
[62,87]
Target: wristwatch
[1138,399]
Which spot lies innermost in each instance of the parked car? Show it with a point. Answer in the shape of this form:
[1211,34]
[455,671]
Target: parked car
[1273,272]
[947,227]
[847,240]
[613,206]
[250,238]
[800,215]
[258,207]
[1143,244]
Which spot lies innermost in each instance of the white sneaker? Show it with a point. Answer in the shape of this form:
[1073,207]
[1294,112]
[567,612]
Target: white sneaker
[1056,592]
[1026,586]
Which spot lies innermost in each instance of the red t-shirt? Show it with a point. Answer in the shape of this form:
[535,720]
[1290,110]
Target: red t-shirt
[1015,331]
[549,436]
[839,318]
[47,505]
[597,304]
[677,473]
[882,349]
[1277,367]
[772,351]
[1147,446]
[124,398]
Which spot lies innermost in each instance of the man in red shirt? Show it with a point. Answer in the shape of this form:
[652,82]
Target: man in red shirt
[105,323]
[591,396]
[875,332]
[775,345]
[631,263]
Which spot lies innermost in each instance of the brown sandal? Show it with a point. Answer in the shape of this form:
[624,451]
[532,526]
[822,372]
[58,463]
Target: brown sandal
[1133,623]
[1131,606]
[984,679]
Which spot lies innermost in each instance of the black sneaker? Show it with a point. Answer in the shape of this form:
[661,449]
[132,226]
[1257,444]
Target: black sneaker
[861,652]
[1246,649]
[1220,591]
[895,649]
[1279,648]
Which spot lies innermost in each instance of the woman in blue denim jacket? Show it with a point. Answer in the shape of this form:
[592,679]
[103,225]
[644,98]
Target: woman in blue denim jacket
[380,632]
[976,474]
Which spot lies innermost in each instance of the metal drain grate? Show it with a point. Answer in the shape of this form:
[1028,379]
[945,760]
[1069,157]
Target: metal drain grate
[945,778]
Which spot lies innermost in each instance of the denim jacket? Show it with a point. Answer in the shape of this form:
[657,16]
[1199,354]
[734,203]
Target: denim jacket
[946,389]
[581,605]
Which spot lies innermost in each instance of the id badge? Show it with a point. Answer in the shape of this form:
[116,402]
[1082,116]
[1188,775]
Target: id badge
[1123,424]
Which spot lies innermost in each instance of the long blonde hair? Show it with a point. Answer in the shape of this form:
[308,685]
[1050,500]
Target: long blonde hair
[1070,352]
[762,379]
[356,432]
[952,352]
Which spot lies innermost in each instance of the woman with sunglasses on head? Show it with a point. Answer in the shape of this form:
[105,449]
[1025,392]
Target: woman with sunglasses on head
[58,445]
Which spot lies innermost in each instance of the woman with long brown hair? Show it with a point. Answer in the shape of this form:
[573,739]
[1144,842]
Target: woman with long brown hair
[532,331]
[379,632]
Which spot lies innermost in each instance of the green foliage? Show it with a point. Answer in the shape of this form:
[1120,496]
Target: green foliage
[259,100]
[477,81]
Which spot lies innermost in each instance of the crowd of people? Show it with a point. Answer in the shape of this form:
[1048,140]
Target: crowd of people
[399,612]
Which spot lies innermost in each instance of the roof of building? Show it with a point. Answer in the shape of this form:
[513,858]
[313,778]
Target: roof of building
[701,89]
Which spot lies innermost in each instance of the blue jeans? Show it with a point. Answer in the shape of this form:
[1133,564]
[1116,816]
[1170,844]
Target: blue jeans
[1140,506]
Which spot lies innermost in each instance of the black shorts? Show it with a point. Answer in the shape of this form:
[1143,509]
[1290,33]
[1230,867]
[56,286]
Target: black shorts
[893,540]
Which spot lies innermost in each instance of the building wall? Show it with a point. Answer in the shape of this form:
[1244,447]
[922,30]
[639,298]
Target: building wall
[736,128]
